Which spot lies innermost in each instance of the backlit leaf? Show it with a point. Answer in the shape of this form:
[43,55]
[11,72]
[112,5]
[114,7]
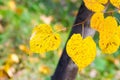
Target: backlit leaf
[43,39]
[81,51]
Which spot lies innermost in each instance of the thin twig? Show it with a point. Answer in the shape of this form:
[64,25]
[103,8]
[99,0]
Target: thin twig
[82,29]
[83,21]
[112,11]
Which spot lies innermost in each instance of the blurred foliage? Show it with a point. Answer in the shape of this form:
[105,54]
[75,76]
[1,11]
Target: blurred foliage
[18,17]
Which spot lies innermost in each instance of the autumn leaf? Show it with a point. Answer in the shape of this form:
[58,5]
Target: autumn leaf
[81,51]
[44,70]
[43,39]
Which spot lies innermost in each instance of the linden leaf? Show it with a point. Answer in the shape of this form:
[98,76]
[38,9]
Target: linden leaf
[43,29]
[109,46]
[94,5]
[115,3]
[81,51]
[109,27]
[96,21]
[109,40]
[110,22]
[43,39]
[53,41]
[102,1]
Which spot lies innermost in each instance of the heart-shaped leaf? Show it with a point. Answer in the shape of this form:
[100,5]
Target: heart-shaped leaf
[95,5]
[81,51]
[43,39]
[115,3]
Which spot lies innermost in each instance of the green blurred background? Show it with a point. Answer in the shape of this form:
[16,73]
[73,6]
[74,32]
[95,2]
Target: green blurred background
[17,19]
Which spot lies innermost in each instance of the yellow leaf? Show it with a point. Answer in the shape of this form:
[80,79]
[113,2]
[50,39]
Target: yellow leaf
[109,24]
[81,51]
[44,70]
[43,39]
[95,5]
[12,5]
[2,72]
[8,70]
[96,21]
[109,46]
[109,40]
[43,29]
[59,27]
[115,3]
[13,58]
[25,49]
[102,1]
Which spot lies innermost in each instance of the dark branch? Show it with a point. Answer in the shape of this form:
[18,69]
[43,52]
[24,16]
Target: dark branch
[66,69]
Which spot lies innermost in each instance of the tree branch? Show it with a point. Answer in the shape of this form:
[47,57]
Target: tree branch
[66,69]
